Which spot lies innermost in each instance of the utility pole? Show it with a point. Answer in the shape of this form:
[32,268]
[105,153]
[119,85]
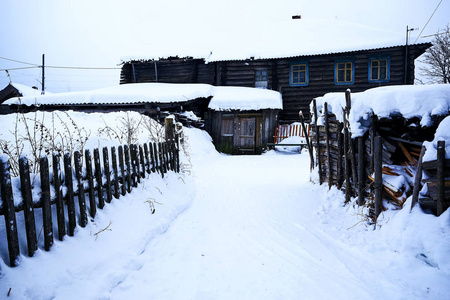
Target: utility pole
[43,74]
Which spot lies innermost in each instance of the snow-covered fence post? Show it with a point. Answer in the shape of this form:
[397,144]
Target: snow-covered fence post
[58,197]
[378,166]
[28,208]
[122,171]
[348,189]
[318,162]
[142,161]
[155,158]
[361,170]
[115,171]
[327,140]
[418,179]
[126,151]
[169,128]
[9,211]
[99,179]
[340,145]
[147,158]
[90,178]
[80,184]
[134,165]
[440,177]
[46,204]
[161,160]
[70,196]
[107,174]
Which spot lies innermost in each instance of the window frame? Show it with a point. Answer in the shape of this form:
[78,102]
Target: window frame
[291,73]
[264,84]
[352,81]
[388,69]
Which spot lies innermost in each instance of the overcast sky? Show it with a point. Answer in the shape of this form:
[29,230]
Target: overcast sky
[98,33]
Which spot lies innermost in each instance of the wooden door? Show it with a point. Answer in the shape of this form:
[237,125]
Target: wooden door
[247,135]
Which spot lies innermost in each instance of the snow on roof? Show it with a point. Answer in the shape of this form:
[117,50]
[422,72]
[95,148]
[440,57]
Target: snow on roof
[410,101]
[241,98]
[223,98]
[287,38]
[26,90]
[442,134]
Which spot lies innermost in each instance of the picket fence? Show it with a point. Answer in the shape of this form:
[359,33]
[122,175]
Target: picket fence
[114,179]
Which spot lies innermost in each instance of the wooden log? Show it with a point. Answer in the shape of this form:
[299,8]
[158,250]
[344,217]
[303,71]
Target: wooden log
[418,179]
[129,172]
[28,208]
[378,184]
[115,172]
[122,171]
[9,212]
[147,158]
[70,195]
[99,179]
[80,184]
[325,107]
[361,170]
[317,142]
[58,198]
[46,204]
[90,179]
[407,154]
[107,174]
[440,178]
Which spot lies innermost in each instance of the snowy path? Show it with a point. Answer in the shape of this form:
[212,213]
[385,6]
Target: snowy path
[256,228]
[252,233]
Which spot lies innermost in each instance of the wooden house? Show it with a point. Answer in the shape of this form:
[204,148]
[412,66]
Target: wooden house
[17,90]
[242,120]
[298,78]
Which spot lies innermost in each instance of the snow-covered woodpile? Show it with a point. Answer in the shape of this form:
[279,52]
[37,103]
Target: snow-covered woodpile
[401,120]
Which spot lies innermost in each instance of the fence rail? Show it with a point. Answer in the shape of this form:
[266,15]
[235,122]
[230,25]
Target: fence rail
[101,182]
[285,131]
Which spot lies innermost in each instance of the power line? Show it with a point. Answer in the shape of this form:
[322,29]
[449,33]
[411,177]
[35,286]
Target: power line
[428,21]
[81,68]
[18,61]
[13,69]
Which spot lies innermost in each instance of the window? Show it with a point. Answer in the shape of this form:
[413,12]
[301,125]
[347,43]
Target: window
[379,70]
[227,125]
[344,72]
[298,75]
[261,79]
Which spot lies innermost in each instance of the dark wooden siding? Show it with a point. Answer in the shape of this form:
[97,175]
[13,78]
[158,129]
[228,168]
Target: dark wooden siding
[295,98]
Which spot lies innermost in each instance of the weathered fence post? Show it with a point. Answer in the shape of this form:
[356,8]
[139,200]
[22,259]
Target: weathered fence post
[107,174]
[147,158]
[348,189]
[115,171]
[318,162]
[378,184]
[9,211]
[361,170]
[28,207]
[142,161]
[59,201]
[134,165]
[90,178]
[327,137]
[99,179]
[122,171]
[70,197]
[80,184]
[418,179]
[126,150]
[440,177]
[155,157]
[308,144]
[161,159]
[169,128]
[340,146]
[46,205]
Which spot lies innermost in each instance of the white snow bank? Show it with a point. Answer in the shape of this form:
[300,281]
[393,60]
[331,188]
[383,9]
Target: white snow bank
[241,98]
[223,98]
[26,90]
[421,101]
[442,134]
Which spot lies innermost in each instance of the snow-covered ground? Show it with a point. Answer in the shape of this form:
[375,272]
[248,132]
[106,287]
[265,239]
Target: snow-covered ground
[240,227]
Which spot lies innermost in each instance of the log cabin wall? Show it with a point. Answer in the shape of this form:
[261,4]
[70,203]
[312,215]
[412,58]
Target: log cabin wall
[320,74]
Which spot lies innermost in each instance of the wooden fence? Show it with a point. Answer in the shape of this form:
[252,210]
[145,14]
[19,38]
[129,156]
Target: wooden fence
[356,164]
[285,131]
[121,171]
